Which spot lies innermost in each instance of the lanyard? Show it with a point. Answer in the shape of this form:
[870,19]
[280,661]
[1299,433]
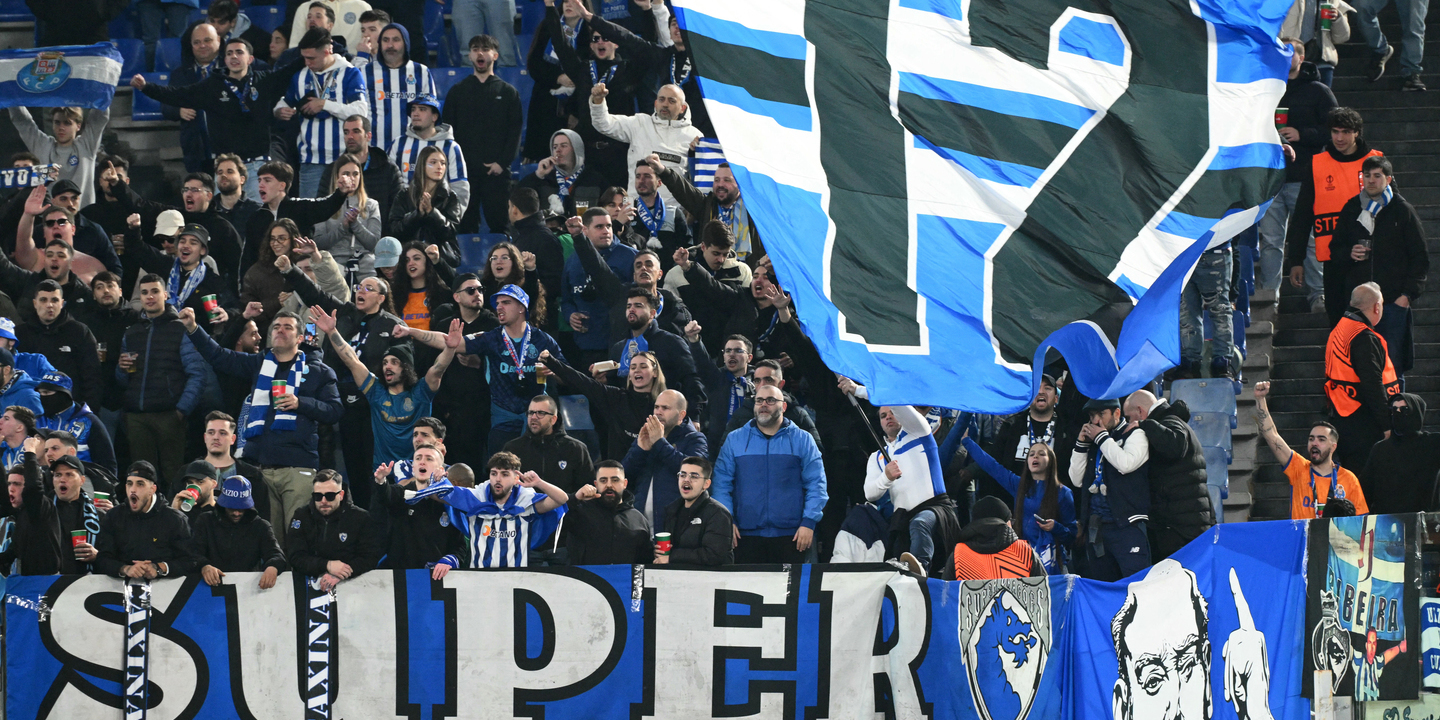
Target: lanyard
[1314,495]
[773,319]
[519,356]
[239,92]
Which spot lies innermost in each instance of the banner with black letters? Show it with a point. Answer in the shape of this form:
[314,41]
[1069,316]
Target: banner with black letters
[1216,631]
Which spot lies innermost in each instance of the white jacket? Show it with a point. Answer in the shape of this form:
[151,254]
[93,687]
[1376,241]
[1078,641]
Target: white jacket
[648,134]
[347,21]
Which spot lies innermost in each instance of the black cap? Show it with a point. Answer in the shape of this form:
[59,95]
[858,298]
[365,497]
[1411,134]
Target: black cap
[1097,405]
[197,231]
[7,358]
[200,470]
[402,353]
[60,187]
[69,460]
[991,507]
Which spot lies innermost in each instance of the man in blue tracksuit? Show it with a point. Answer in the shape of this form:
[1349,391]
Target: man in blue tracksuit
[770,477]
[581,304]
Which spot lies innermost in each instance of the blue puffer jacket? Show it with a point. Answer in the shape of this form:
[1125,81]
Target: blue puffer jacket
[772,485]
[21,391]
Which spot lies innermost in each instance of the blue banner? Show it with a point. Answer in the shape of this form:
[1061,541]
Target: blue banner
[64,76]
[1214,632]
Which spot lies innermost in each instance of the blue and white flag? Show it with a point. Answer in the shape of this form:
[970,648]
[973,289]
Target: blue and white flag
[64,76]
[944,185]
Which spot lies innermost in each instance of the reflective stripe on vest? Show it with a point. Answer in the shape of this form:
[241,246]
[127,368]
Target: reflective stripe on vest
[1333,188]
[1342,385]
[1014,561]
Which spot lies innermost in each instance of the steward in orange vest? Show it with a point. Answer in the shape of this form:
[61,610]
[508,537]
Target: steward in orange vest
[1333,178]
[989,549]
[1359,378]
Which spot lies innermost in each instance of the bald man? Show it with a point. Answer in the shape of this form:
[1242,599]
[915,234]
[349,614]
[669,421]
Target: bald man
[199,59]
[1181,505]
[1359,378]
[653,462]
[666,133]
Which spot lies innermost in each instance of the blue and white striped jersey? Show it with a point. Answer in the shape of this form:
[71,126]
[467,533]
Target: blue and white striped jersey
[343,89]
[406,151]
[390,90]
[497,539]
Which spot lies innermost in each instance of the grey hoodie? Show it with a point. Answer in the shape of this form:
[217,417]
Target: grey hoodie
[444,135]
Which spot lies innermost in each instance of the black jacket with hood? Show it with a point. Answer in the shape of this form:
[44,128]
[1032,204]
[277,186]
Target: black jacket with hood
[603,535]
[562,460]
[700,535]
[1180,508]
[1400,474]
[1309,103]
[238,122]
[245,546]
[36,540]
[159,533]
[70,346]
[347,534]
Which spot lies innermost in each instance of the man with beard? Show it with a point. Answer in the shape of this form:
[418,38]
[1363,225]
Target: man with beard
[1313,479]
[76,510]
[59,250]
[232,537]
[658,219]
[145,538]
[581,305]
[486,114]
[35,541]
[162,377]
[1400,475]
[401,399]
[62,412]
[726,387]
[109,318]
[547,451]
[464,398]
[223,243]
[699,526]
[382,179]
[511,351]
[723,203]
[188,278]
[563,177]
[1041,423]
[239,190]
[505,517]
[771,458]
[654,459]
[392,83]
[672,61]
[202,498]
[1110,465]
[698,282]
[89,236]
[331,539]
[665,133]
[425,130]
[422,535]
[605,528]
[66,342]
[611,289]
[645,335]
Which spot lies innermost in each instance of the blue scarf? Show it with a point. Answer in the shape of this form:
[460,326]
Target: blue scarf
[565,181]
[595,78]
[181,291]
[260,398]
[654,219]
[739,388]
[542,525]
[633,346]
[1375,206]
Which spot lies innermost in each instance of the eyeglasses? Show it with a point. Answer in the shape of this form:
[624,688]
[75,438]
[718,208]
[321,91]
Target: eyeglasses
[767,401]
[540,413]
[365,288]
[326,496]
[189,190]
[469,290]
[57,221]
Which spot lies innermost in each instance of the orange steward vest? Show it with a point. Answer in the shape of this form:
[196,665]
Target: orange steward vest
[1014,561]
[1335,183]
[1342,385]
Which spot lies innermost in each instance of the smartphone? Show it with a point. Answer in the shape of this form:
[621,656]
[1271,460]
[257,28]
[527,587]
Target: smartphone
[310,333]
[1038,519]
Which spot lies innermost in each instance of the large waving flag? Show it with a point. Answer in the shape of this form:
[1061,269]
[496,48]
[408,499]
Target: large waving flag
[950,188]
[65,76]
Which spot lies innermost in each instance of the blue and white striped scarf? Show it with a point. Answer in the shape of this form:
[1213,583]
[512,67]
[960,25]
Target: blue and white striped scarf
[260,398]
[1375,206]
[180,292]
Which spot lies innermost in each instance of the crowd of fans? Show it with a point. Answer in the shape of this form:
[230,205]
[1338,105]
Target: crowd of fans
[295,370]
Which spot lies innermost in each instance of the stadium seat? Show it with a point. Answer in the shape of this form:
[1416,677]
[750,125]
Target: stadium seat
[144,107]
[1213,429]
[438,37]
[1215,395]
[15,11]
[1217,472]
[532,13]
[448,77]
[132,57]
[575,413]
[473,249]
[266,17]
[125,26]
[167,54]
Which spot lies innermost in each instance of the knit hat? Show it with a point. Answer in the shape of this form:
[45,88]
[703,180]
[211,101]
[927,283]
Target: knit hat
[169,222]
[402,353]
[991,507]
[235,494]
[387,252]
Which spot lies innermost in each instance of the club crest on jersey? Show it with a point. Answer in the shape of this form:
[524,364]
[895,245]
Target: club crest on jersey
[1005,636]
[295,524]
[444,520]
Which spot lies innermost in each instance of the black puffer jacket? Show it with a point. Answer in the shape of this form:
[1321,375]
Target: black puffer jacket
[1179,501]
[347,534]
[700,535]
[438,226]
[158,534]
[245,546]
[420,534]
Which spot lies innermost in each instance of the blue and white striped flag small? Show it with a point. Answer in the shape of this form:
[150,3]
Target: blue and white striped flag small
[708,157]
[65,76]
[23,177]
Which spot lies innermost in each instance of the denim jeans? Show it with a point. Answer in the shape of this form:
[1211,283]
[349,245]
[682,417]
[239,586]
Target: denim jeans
[1314,274]
[310,175]
[922,537]
[154,14]
[1272,237]
[251,190]
[495,18]
[1394,326]
[1412,30]
[1208,291]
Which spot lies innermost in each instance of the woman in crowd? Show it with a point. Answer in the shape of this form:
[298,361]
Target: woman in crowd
[507,265]
[428,213]
[418,288]
[622,410]
[350,235]
[264,282]
[1044,513]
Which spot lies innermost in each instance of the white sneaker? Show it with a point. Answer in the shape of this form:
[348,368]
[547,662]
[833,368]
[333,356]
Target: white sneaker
[912,564]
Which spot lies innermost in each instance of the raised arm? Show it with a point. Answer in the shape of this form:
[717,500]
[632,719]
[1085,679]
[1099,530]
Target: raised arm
[453,340]
[554,496]
[325,323]
[1268,431]
[25,254]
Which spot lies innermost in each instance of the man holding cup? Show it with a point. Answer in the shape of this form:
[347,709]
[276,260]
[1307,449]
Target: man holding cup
[79,513]
[697,527]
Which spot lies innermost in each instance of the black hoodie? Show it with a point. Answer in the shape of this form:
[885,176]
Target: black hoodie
[603,535]
[1400,474]
[70,346]
[245,546]
[159,534]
